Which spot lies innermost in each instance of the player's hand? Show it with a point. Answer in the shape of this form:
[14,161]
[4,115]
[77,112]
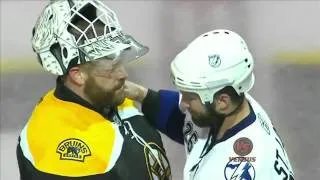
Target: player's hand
[135,91]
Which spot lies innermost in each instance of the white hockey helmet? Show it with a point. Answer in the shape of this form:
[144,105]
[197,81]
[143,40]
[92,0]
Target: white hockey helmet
[57,47]
[212,61]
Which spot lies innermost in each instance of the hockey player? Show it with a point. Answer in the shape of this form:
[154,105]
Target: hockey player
[226,133]
[85,128]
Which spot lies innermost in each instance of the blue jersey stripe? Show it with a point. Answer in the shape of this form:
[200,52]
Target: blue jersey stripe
[170,119]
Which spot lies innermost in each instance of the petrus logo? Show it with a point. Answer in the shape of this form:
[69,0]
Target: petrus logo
[236,170]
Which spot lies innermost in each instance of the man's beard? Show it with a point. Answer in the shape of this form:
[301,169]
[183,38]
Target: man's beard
[101,97]
[210,118]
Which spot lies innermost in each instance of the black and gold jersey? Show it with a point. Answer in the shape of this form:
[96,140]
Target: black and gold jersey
[67,139]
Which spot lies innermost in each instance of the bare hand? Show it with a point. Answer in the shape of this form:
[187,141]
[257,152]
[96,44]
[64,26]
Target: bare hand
[135,91]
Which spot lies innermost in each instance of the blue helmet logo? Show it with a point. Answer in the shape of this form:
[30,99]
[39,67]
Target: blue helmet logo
[242,170]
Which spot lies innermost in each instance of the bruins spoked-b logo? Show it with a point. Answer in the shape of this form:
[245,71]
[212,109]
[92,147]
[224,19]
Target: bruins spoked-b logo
[73,149]
[157,163]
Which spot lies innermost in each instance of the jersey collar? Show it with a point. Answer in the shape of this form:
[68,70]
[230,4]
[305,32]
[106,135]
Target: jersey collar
[247,121]
[64,93]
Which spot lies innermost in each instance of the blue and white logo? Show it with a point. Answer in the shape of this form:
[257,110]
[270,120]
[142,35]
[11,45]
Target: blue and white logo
[242,170]
[214,60]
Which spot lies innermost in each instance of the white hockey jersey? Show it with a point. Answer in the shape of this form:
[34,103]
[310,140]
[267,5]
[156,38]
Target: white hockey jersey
[251,150]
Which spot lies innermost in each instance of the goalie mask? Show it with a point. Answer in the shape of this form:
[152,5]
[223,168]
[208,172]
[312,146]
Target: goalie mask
[70,32]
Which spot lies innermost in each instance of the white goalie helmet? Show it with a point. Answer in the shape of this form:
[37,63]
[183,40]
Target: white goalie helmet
[57,47]
[212,61]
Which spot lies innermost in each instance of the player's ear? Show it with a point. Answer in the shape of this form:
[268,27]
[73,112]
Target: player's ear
[223,102]
[77,75]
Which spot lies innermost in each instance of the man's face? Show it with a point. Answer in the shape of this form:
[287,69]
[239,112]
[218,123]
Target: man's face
[105,84]
[202,116]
